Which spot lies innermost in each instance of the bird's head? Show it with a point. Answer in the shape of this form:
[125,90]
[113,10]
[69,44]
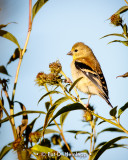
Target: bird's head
[80,50]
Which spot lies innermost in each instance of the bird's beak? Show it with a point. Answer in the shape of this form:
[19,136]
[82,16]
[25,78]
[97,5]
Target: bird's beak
[70,53]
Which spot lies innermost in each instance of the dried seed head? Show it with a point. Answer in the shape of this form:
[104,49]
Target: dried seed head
[50,79]
[55,67]
[34,137]
[56,139]
[87,116]
[116,20]
[18,144]
[45,142]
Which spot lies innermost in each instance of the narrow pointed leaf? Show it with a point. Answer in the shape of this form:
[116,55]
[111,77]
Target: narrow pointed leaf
[15,56]
[37,6]
[5,150]
[125,29]
[30,127]
[124,75]
[70,107]
[3,70]
[111,129]
[37,148]
[83,151]
[5,25]
[113,34]
[74,83]
[122,9]
[87,139]
[47,105]
[123,42]
[48,131]
[107,145]
[48,93]
[78,132]
[63,117]
[21,113]
[9,36]
[52,109]
[82,132]
[113,112]
[122,109]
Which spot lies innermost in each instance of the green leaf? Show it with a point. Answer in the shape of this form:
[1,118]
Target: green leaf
[3,70]
[48,131]
[74,83]
[113,112]
[113,34]
[15,56]
[87,139]
[21,113]
[63,117]
[37,148]
[111,129]
[43,149]
[70,107]
[30,126]
[124,42]
[81,132]
[107,145]
[78,132]
[5,150]
[37,6]
[122,9]
[48,93]
[47,105]
[122,109]
[52,109]
[9,36]
[125,29]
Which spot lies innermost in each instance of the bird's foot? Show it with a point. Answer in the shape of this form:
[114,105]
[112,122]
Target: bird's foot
[86,105]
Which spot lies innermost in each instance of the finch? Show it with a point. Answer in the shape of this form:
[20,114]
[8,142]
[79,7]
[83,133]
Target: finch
[86,65]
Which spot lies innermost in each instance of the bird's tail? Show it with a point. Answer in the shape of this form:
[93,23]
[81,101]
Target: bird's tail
[106,99]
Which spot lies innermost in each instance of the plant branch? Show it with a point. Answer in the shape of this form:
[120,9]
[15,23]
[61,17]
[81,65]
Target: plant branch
[126,1]
[19,64]
[13,129]
[61,131]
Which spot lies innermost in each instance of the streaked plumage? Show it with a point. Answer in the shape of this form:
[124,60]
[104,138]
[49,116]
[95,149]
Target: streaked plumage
[86,65]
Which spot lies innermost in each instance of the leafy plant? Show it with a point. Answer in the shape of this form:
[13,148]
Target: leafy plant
[32,144]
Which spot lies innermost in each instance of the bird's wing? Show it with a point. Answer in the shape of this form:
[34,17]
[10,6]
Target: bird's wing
[97,78]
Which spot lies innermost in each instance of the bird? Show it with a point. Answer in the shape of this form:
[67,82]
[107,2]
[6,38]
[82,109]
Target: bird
[86,66]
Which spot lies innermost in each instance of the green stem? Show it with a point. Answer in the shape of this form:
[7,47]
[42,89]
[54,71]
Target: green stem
[19,64]
[113,123]
[61,131]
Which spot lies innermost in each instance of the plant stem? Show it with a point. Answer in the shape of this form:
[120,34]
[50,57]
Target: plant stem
[70,83]
[13,129]
[61,131]
[107,120]
[91,136]
[19,64]
[126,1]
[12,125]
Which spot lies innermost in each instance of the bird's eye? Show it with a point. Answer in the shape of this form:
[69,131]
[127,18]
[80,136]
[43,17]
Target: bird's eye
[75,50]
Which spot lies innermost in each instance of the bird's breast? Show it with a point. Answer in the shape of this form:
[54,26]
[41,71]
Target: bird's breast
[84,85]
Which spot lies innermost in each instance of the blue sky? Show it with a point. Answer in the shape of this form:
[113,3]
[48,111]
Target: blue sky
[57,26]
